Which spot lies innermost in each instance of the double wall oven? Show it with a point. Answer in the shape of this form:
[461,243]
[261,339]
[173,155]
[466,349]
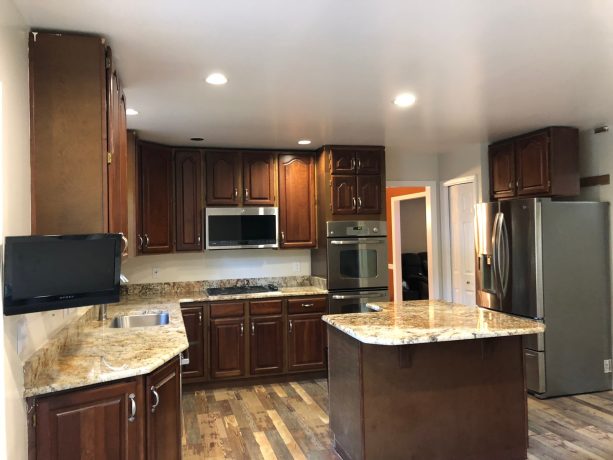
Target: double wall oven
[356,253]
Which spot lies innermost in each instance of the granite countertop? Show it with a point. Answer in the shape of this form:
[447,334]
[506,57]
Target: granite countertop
[282,292]
[425,321]
[87,352]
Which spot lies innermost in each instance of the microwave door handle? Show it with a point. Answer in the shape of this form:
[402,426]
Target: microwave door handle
[360,241]
[356,296]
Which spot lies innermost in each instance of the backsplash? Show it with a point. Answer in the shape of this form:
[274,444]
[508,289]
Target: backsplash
[189,287]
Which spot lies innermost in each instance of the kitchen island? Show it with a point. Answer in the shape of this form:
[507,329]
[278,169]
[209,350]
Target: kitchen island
[428,379]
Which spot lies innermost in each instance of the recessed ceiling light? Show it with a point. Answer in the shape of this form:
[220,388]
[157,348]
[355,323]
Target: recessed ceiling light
[405,100]
[198,139]
[304,141]
[216,79]
[131,112]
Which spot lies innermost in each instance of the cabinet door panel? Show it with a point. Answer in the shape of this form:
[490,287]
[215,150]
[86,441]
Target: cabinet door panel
[258,178]
[532,158]
[222,177]
[297,201]
[344,199]
[90,423]
[306,343]
[342,161]
[192,318]
[369,194]
[188,179]
[368,162]
[163,406]
[502,170]
[266,346]
[156,191]
[116,195]
[227,348]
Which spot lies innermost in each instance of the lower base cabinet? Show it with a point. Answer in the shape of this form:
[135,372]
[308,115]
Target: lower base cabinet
[306,343]
[227,347]
[266,345]
[121,420]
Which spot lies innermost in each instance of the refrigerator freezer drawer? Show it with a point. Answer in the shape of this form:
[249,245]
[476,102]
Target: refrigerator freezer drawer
[535,371]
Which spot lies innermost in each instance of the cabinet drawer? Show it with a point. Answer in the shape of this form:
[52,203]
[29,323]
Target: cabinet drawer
[227,310]
[266,307]
[307,305]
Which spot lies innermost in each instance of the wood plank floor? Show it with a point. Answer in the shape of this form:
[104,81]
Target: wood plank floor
[289,421]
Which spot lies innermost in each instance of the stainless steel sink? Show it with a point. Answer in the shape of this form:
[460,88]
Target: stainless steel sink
[142,320]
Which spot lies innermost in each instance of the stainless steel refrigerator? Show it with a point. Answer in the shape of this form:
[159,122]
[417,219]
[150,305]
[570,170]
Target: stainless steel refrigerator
[550,260]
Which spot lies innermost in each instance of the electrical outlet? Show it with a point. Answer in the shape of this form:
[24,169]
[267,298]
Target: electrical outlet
[296,267]
[607,366]
[155,272]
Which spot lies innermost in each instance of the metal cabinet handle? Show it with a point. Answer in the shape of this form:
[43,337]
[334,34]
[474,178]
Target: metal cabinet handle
[290,326]
[184,359]
[146,240]
[353,163]
[157,400]
[359,164]
[308,305]
[359,202]
[353,203]
[132,416]
[511,184]
[242,329]
[246,193]
[252,328]
[199,239]
[282,237]
[140,241]
[124,251]
[200,318]
[235,193]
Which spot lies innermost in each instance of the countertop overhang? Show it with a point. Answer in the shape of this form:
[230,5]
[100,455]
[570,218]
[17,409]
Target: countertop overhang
[428,321]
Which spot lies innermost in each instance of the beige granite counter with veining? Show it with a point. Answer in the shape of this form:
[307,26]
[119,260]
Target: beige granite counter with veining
[298,291]
[87,351]
[424,321]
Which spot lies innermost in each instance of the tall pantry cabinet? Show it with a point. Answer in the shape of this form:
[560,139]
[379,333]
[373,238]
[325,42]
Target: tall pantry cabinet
[78,136]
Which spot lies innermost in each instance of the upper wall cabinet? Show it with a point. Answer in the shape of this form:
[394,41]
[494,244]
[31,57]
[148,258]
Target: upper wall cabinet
[188,200]
[297,201]
[240,178]
[540,163]
[155,218]
[78,136]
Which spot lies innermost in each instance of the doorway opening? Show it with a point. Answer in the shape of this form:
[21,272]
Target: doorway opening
[413,264]
[459,197]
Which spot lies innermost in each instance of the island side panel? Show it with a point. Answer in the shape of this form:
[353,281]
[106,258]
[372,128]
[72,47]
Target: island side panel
[462,399]
[345,387]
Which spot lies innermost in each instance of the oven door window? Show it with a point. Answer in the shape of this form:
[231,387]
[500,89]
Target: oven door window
[358,263]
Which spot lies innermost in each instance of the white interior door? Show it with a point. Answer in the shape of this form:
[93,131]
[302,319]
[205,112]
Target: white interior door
[461,229]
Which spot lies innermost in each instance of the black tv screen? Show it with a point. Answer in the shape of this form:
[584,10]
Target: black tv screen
[50,272]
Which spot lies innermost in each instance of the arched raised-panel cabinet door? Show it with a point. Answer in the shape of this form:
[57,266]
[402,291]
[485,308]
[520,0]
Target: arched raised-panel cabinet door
[532,158]
[188,179]
[502,170]
[258,179]
[342,161]
[368,162]
[344,199]
[369,195]
[297,201]
[156,192]
[223,177]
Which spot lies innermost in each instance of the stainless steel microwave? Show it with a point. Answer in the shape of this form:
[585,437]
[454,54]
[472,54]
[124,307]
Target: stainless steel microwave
[238,228]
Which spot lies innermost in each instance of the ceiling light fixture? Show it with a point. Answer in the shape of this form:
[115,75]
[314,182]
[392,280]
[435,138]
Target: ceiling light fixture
[405,100]
[216,79]
[304,142]
[131,112]
[197,139]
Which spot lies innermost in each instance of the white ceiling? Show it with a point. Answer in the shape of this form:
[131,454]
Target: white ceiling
[328,70]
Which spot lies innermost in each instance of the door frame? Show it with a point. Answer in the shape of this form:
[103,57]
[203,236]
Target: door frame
[446,230]
[432,236]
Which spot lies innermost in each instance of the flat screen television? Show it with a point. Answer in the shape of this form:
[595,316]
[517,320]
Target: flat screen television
[61,271]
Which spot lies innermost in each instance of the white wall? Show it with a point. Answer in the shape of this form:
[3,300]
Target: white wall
[26,333]
[466,160]
[413,225]
[404,166]
[222,264]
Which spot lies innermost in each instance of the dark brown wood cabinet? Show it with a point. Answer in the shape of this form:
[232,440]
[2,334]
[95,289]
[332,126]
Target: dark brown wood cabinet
[297,220]
[130,419]
[368,162]
[258,179]
[540,163]
[188,200]
[163,406]
[223,177]
[368,195]
[155,220]
[344,195]
[306,342]
[194,329]
[342,161]
[266,344]
[78,136]
[227,347]
[89,423]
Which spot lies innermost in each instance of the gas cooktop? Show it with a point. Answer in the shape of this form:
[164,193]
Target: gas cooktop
[234,290]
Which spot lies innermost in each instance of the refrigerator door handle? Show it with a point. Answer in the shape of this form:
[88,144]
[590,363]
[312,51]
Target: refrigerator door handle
[505,259]
[496,252]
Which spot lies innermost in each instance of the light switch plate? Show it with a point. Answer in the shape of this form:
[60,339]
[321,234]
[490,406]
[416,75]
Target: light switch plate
[607,366]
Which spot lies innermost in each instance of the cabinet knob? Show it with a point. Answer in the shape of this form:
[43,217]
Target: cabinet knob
[200,318]
[252,328]
[290,326]
[242,329]
[157,399]
[132,416]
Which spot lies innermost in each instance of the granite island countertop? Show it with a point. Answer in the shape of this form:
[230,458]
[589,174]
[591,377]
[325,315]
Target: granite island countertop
[425,321]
